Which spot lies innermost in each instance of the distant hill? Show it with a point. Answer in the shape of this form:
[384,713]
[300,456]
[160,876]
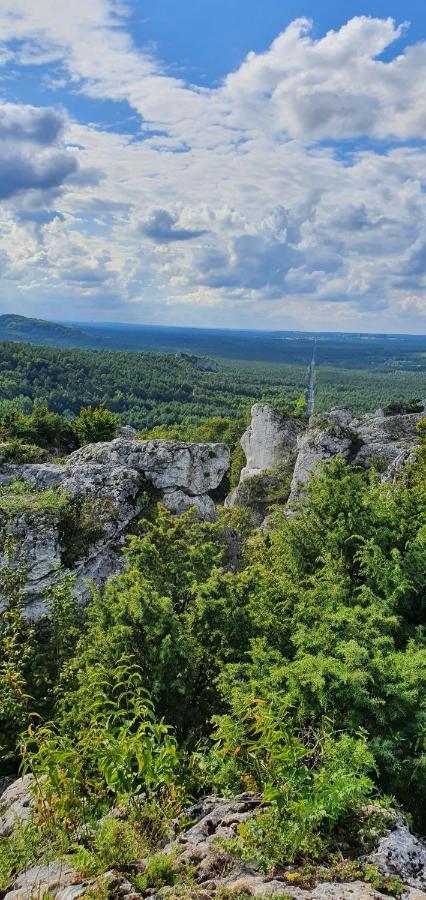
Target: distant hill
[39,331]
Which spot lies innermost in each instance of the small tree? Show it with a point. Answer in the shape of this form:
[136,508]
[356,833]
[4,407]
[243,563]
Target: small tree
[95,424]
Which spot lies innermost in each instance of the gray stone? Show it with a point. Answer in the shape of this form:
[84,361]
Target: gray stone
[270,437]
[262,886]
[127,432]
[58,879]
[194,468]
[329,435]
[179,502]
[385,441]
[401,853]
[216,817]
[15,804]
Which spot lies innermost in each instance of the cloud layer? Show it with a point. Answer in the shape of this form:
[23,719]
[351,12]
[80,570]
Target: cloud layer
[291,194]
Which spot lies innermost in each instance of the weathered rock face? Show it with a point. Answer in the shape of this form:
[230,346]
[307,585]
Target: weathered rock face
[385,441]
[326,437]
[270,437]
[15,804]
[274,441]
[55,879]
[109,479]
[401,853]
[256,494]
[169,465]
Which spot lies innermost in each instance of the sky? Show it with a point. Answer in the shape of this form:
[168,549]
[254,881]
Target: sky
[232,163]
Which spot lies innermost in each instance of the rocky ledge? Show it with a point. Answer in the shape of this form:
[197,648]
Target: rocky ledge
[106,486]
[216,872]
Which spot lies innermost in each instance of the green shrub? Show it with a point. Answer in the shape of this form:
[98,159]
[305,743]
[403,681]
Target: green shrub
[117,843]
[20,851]
[45,429]
[81,524]
[17,451]
[161,870]
[119,751]
[314,780]
[95,424]
[19,496]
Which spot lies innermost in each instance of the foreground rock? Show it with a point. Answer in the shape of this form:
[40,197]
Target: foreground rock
[401,853]
[55,879]
[217,873]
[107,486]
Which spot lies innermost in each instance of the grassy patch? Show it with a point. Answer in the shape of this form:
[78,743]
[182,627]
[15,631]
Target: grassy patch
[19,496]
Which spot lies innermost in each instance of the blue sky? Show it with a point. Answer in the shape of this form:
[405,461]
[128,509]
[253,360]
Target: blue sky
[249,164]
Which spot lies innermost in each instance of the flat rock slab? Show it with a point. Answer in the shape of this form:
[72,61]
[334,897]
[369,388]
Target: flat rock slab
[57,879]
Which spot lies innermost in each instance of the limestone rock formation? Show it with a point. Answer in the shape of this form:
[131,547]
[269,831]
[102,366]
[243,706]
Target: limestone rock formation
[326,437]
[270,437]
[108,482]
[56,879]
[169,465]
[400,853]
[276,444]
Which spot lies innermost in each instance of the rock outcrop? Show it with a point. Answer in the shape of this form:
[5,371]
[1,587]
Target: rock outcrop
[269,439]
[375,438]
[400,853]
[276,444]
[56,879]
[216,872]
[110,481]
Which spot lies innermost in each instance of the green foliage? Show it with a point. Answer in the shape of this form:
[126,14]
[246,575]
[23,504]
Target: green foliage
[80,526]
[17,452]
[16,636]
[19,497]
[116,842]
[337,606]
[32,656]
[42,428]
[20,851]
[28,437]
[117,750]
[392,884]
[311,658]
[161,870]
[144,389]
[98,424]
[174,613]
[313,779]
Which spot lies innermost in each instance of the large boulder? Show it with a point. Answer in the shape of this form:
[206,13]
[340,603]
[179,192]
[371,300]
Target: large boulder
[385,439]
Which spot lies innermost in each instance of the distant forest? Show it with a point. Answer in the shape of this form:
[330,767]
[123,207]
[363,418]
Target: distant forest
[148,389]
